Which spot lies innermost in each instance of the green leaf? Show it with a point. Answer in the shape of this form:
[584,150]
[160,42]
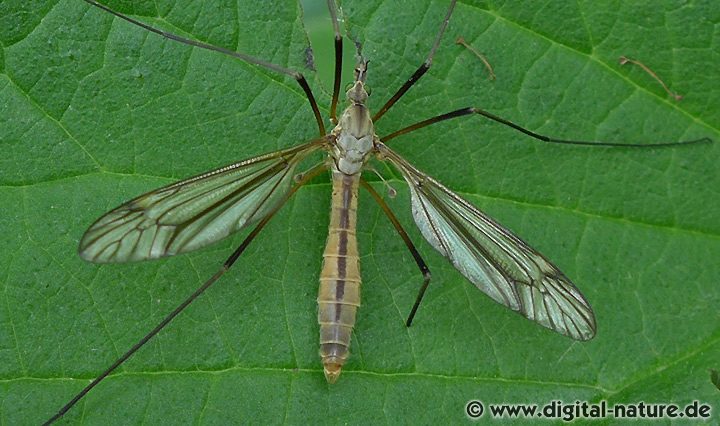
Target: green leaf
[95,111]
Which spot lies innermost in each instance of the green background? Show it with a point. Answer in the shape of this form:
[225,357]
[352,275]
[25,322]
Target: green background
[94,111]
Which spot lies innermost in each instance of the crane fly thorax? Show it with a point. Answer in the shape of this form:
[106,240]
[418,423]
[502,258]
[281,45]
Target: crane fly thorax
[353,139]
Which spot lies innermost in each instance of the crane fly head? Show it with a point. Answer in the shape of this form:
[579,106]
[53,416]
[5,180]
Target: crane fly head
[357,92]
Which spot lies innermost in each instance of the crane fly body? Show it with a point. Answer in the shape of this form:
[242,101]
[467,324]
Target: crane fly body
[196,212]
[186,216]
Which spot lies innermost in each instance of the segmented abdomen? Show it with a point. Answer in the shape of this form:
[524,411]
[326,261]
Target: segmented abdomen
[339,295]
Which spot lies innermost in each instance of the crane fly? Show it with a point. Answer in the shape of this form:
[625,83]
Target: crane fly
[201,210]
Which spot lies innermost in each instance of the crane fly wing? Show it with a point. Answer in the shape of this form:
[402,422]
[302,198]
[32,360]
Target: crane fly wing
[499,263]
[195,212]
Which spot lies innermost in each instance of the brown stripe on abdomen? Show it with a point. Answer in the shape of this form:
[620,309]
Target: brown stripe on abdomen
[339,295]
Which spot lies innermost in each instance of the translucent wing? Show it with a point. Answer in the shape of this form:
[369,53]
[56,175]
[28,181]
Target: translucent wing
[491,257]
[195,212]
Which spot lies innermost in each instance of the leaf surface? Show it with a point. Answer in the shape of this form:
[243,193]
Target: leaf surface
[95,111]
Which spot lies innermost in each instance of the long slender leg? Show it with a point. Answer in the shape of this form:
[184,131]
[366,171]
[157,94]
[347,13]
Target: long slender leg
[420,71]
[224,268]
[415,254]
[247,58]
[472,110]
[338,61]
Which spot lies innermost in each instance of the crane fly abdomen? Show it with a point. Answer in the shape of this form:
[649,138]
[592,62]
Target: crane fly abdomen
[339,295]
